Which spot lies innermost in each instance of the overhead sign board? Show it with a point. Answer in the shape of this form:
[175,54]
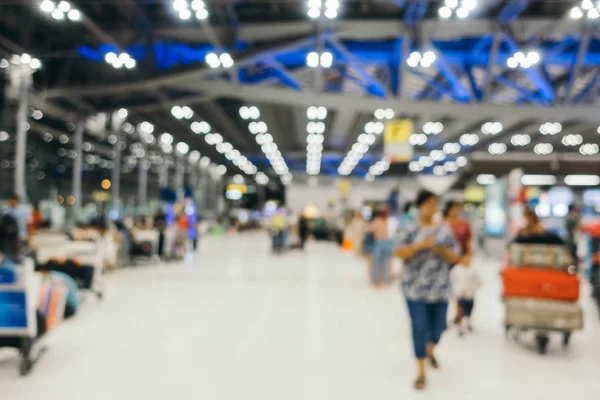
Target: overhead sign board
[397,148]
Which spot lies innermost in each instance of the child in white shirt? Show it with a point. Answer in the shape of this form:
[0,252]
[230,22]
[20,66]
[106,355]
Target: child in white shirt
[465,282]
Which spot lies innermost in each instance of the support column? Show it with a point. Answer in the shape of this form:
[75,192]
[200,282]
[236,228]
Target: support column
[77,167]
[117,123]
[179,178]
[22,75]
[260,194]
[143,184]
[163,177]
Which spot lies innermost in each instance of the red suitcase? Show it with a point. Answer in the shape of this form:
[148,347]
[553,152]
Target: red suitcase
[540,284]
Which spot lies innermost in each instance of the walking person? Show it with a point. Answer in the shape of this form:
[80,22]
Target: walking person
[464,237]
[303,230]
[382,249]
[465,283]
[572,225]
[428,250]
[14,235]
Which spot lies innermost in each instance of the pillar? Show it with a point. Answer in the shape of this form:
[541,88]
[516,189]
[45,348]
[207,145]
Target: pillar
[179,178]
[143,183]
[116,171]
[77,167]
[22,75]
[163,176]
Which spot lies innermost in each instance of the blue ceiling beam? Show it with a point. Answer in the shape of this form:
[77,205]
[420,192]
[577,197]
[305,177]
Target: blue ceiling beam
[462,94]
[539,81]
[433,83]
[526,94]
[373,86]
[284,75]
[588,89]
[378,53]
[512,10]
[475,90]
[416,11]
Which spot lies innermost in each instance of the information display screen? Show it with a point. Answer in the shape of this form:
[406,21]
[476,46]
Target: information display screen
[495,212]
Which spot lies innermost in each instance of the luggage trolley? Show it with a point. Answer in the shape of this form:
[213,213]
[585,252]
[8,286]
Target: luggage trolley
[538,273]
[532,315]
[595,265]
[20,324]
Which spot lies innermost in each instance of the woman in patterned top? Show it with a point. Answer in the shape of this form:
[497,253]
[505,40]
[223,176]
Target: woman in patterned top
[428,249]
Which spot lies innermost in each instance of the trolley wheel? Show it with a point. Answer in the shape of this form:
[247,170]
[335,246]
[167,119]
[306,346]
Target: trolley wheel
[25,365]
[99,295]
[542,343]
[566,339]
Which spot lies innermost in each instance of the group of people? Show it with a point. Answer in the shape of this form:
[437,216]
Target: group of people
[436,255]
[436,250]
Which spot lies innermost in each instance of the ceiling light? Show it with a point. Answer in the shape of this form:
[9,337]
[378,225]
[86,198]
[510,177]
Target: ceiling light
[486,179]
[445,12]
[469,139]
[576,13]
[520,140]
[451,148]
[538,180]
[312,59]
[589,149]
[417,139]
[47,6]
[64,6]
[543,149]
[202,14]
[497,148]
[326,59]
[582,180]
[550,128]
[572,140]
[461,161]
[425,161]
[491,128]
[414,166]
[74,15]
[182,148]
[166,138]
[120,60]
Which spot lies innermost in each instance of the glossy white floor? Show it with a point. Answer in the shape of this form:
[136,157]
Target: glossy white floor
[239,323]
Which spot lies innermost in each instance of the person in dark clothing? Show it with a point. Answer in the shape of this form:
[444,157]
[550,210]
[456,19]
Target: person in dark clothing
[572,226]
[303,230]
[160,223]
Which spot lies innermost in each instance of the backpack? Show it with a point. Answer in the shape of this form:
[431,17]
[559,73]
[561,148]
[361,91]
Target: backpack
[9,230]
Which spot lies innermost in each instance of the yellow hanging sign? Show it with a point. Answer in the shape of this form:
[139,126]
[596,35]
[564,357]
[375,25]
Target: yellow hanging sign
[395,139]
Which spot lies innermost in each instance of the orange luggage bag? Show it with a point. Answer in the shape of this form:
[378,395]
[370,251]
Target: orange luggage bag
[540,284]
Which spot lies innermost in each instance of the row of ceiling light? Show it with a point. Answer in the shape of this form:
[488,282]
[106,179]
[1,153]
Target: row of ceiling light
[377,169]
[371,129]
[364,142]
[265,140]
[585,9]
[462,9]
[60,11]
[216,139]
[448,167]
[314,138]
[545,180]
[23,59]
[185,9]
[328,9]
[544,148]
